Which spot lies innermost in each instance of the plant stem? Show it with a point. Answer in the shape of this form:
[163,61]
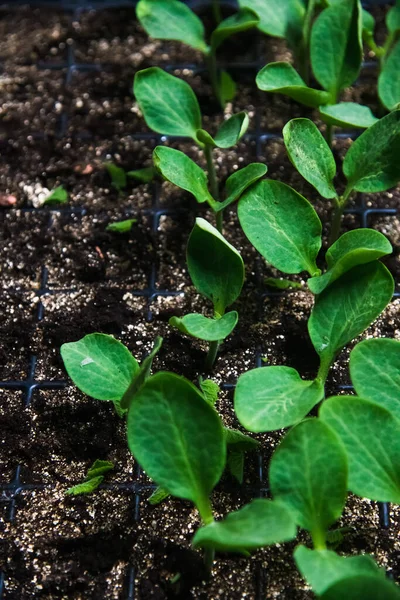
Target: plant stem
[211,61]
[217,11]
[212,176]
[318,539]
[212,355]
[340,205]
[323,370]
[303,54]
[219,220]
[205,509]
[328,135]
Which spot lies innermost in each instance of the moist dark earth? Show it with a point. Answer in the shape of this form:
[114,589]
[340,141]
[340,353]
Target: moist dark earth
[64,276]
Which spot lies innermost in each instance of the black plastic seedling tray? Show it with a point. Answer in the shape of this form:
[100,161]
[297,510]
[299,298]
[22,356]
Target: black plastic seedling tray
[11,490]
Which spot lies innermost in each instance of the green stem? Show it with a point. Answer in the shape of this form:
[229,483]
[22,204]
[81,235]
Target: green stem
[211,61]
[205,509]
[212,355]
[212,177]
[303,54]
[318,539]
[323,370]
[329,135]
[219,220]
[340,205]
[217,11]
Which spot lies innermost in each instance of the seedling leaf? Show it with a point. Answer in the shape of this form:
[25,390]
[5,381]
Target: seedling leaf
[121,226]
[308,472]
[347,114]
[239,181]
[336,46]
[210,390]
[371,436]
[282,225]
[158,496]
[239,441]
[144,175]
[216,268]
[177,437]
[371,163]
[232,130]
[168,104]
[323,568]
[171,20]
[311,155]
[393,19]
[100,366]
[58,196]
[241,21]
[141,374]
[375,372]
[235,464]
[363,587]
[182,171]
[204,328]
[281,78]
[99,467]
[368,23]
[348,306]
[227,87]
[280,19]
[87,487]
[117,175]
[356,247]
[260,523]
[273,398]
[389,79]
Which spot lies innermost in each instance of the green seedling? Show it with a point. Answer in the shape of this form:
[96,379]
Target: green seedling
[170,107]
[173,20]
[57,196]
[121,226]
[103,368]
[93,479]
[119,177]
[388,56]
[217,272]
[335,48]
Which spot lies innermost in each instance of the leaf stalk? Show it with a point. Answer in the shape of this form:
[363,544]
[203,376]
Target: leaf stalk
[212,355]
[340,205]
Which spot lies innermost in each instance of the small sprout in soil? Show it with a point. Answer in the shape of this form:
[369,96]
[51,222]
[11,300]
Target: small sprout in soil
[57,196]
[119,177]
[173,20]
[217,271]
[121,226]
[174,110]
[93,479]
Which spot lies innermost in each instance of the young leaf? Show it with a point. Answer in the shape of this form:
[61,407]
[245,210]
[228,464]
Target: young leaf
[232,130]
[182,171]
[121,226]
[311,155]
[227,87]
[141,374]
[210,390]
[168,104]
[216,268]
[58,196]
[336,46]
[389,79]
[280,19]
[356,247]
[204,328]
[240,180]
[368,24]
[258,524]
[281,78]
[323,568]
[235,464]
[243,20]
[117,175]
[363,587]
[87,487]
[371,436]
[144,175]
[237,440]
[99,467]
[308,472]
[347,114]
[393,19]
[100,366]
[171,20]
[177,437]
[158,496]
[274,397]
[282,225]
[347,307]
[371,163]
[375,372]
[279,283]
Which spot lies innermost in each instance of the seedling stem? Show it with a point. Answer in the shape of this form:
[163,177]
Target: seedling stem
[211,61]
[212,176]
[318,539]
[212,354]
[217,11]
[340,205]
[304,51]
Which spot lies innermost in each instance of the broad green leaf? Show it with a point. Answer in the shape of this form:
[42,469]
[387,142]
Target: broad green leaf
[348,306]
[121,226]
[58,196]
[182,171]
[204,328]
[227,87]
[274,397]
[282,225]
[158,496]
[347,114]
[171,20]
[168,104]
[215,267]
[144,175]
[281,78]
[277,18]
[239,441]
[177,437]
[239,181]
[141,374]
[389,79]
[356,247]
[363,587]
[99,467]
[258,524]
[235,464]
[323,568]
[232,130]
[375,372]
[205,138]
[242,20]
[308,472]
[117,175]
[282,284]
[371,436]
[368,23]
[100,366]
[393,19]
[371,163]
[311,155]
[336,46]
[210,390]
[87,487]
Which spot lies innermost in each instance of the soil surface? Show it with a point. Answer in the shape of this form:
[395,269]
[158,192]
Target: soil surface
[66,110]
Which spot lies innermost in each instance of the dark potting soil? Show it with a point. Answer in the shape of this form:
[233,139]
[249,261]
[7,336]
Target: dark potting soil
[85,547]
